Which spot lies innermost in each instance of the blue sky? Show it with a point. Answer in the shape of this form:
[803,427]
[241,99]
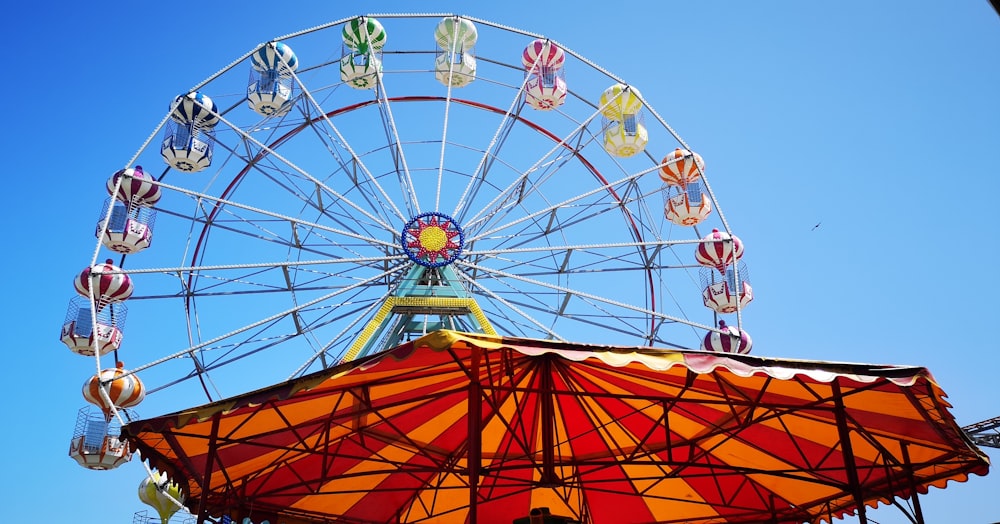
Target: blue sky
[876,120]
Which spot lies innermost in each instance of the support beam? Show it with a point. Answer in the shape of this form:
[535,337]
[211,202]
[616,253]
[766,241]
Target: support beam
[427,299]
[202,512]
[987,432]
[918,513]
[548,473]
[850,464]
[474,454]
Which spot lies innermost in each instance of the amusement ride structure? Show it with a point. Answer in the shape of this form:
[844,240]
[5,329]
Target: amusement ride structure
[370,264]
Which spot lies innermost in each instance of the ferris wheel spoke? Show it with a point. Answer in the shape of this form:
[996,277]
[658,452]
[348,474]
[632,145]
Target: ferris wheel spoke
[531,233]
[578,262]
[336,194]
[490,294]
[326,315]
[601,318]
[267,320]
[306,321]
[358,316]
[517,189]
[403,170]
[581,247]
[221,203]
[366,261]
[606,197]
[605,193]
[520,301]
[444,131]
[338,138]
[576,293]
[232,352]
[479,174]
[331,207]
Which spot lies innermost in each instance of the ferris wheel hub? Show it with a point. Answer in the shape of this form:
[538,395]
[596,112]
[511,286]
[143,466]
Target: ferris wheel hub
[433,239]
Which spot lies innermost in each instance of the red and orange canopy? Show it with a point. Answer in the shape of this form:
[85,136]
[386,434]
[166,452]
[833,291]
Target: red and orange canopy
[461,428]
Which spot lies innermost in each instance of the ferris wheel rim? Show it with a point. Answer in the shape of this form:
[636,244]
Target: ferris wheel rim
[538,128]
[647,240]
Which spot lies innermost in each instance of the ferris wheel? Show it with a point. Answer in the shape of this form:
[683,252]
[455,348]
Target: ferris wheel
[339,190]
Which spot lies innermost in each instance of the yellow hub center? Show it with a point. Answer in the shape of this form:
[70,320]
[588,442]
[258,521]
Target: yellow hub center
[433,238]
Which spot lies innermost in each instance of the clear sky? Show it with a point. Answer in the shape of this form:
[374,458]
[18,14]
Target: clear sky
[878,121]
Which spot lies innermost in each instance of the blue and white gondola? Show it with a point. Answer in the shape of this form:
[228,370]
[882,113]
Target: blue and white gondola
[271,87]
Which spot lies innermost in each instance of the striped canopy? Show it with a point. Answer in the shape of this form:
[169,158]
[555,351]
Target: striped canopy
[462,428]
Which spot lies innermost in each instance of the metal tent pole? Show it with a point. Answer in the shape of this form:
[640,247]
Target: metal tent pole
[848,451]
[474,455]
[914,496]
[206,478]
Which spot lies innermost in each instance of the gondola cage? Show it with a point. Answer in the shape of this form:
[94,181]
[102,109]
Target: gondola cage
[361,63]
[271,88]
[188,140]
[545,81]
[624,132]
[455,64]
[83,336]
[96,443]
